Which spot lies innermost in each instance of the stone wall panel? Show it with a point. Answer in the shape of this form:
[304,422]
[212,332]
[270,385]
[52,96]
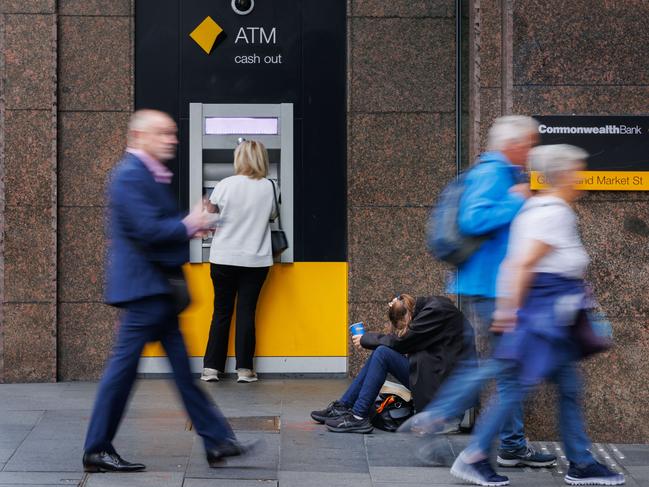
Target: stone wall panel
[29,270]
[95,7]
[82,250]
[91,143]
[402,65]
[29,346]
[402,8]
[85,337]
[582,42]
[400,159]
[388,254]
[28,161]
[88,81]
[29,62]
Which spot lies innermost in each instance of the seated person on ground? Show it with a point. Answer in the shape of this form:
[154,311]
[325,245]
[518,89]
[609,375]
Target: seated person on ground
[421,348]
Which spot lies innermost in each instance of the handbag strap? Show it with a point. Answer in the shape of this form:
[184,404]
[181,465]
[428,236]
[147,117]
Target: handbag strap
[279,217]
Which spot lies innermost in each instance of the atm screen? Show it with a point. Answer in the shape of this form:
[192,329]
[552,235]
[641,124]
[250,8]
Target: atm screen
[241,125]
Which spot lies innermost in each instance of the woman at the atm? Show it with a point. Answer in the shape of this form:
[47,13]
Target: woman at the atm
[240,257]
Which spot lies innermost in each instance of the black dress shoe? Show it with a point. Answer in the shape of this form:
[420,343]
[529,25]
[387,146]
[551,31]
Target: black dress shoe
[108,462]
[232,448]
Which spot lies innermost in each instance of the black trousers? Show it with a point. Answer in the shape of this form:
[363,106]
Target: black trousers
[244,284]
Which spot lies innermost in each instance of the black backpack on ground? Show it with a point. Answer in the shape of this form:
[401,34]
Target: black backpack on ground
[391,411]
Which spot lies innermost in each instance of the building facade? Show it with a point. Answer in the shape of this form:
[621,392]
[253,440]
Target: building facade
[69,81]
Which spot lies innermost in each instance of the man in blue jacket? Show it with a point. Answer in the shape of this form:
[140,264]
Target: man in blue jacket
[495,192]
[148,244]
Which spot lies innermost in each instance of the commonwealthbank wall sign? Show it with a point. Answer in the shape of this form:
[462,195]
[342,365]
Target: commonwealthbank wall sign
[618,148]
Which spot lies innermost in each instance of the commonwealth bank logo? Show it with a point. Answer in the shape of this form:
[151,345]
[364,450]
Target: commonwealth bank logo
[206,33]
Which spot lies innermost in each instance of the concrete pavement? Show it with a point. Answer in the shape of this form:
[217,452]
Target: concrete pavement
[42,428]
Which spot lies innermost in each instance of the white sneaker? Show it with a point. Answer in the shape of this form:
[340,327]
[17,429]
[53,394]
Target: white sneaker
[210,375]
[246,375]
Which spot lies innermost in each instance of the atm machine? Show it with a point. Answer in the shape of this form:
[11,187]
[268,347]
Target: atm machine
[214,132]
[300,300]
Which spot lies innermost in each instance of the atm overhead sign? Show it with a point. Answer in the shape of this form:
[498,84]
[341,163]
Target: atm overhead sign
[206,33]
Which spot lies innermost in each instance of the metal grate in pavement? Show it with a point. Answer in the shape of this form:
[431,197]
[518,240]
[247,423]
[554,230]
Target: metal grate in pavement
[268,424]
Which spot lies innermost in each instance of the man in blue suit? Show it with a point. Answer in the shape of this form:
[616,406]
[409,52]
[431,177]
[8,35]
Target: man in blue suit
[148,243]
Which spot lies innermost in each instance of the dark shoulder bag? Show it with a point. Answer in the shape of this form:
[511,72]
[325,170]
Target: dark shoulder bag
[175,277]
[278,240]
[178,285]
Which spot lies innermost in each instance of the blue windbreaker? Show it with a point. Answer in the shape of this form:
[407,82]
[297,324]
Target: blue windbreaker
[487,207]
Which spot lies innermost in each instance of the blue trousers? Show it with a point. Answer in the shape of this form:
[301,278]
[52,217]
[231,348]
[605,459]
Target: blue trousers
[362,392]
[480,311]
[148,320]
[566,376]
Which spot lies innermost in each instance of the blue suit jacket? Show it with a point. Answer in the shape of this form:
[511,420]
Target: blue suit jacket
[146,233]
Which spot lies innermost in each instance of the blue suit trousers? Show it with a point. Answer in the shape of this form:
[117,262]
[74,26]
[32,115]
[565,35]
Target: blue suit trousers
[148,320]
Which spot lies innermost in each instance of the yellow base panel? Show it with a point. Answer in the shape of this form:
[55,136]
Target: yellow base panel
[603,180]
[302,311]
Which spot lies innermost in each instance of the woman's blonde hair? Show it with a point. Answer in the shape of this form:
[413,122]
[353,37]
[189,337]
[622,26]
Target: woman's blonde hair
[251,159]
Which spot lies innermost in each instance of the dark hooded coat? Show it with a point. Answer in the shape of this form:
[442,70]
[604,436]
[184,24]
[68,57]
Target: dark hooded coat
[433,343]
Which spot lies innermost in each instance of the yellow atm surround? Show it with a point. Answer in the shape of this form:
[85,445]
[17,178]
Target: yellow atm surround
[301,319]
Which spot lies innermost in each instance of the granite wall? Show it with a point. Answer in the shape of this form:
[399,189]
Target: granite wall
[28,212]
[581,57]
[67,77]
[95,99]
[401,148]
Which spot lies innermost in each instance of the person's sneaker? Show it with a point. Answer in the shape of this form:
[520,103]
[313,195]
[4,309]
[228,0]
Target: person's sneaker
[210,375]
[246,375]
[479,473]
[525,457]
[423,424]
[593,474]
[347,423]
[334,410]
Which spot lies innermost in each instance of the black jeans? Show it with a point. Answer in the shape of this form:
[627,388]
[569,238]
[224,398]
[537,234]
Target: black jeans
[244,284]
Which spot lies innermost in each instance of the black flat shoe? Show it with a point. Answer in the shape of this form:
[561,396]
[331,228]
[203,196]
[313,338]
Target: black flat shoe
[232,448]
[108,462]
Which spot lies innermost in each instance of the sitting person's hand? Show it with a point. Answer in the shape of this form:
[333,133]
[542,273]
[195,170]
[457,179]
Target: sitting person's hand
[356,341]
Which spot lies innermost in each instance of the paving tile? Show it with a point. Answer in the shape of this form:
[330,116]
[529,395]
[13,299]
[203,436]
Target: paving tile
[47,422]
[410,475]
[322,451]
[634,455]
[229,483]
[411,484]
[74,483]
[40,478]
[51,454]
[323,479]
[138,479]
[259,466]
[639,474]
[396,450]
[533,477]
[14,428]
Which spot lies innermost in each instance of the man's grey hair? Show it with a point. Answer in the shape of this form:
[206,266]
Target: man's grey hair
[509,130]
[141,120]
[551,160]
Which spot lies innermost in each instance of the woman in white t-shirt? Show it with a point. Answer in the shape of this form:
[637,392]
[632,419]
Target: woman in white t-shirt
[542,294]
[240,258]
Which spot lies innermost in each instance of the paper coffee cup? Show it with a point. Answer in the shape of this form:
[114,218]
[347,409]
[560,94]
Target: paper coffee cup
[357,328]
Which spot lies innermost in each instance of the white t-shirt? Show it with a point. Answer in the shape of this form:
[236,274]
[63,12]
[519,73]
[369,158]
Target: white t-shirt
[243,236]
[551,220]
